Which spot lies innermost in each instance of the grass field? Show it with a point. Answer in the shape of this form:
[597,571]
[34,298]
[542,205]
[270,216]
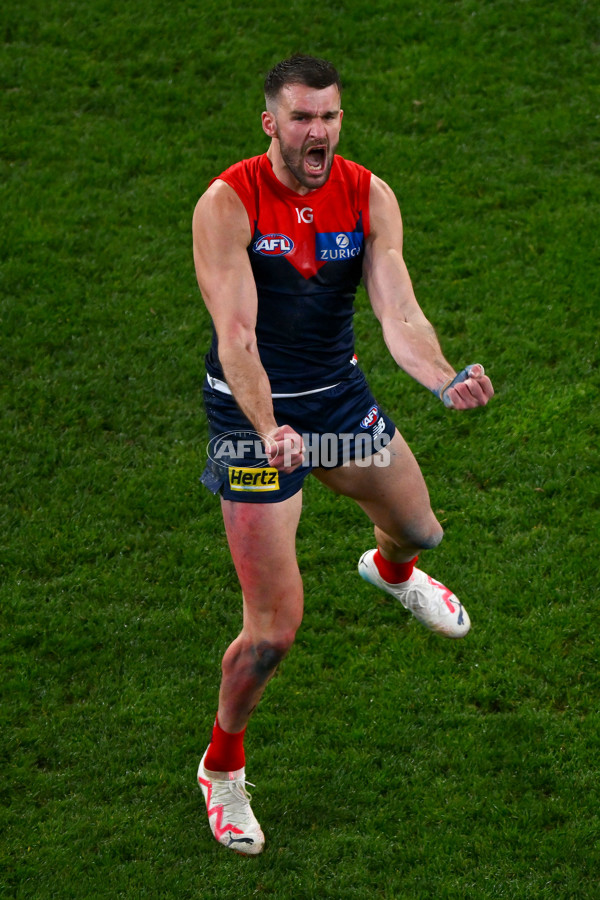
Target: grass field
[388,763]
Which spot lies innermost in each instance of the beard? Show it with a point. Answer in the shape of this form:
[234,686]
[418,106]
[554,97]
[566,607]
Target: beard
[311,165]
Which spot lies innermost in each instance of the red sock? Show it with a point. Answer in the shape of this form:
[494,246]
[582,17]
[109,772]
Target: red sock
[226,751]
[393,572]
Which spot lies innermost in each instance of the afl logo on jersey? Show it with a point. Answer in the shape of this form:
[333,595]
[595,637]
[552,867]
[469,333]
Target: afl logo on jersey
[273,245]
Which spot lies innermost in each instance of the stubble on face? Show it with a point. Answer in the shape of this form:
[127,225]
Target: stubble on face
[309,164]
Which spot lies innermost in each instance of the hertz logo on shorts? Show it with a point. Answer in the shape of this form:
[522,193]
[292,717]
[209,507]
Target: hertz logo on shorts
[241,479]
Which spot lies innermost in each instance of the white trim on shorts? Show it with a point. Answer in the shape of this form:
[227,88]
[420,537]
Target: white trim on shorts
[217,385]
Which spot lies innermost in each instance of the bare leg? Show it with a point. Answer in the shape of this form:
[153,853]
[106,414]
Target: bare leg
[397,501]
[394,497]
[262,540]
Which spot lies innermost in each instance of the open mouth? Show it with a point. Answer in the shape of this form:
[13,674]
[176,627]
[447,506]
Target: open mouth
[315,160]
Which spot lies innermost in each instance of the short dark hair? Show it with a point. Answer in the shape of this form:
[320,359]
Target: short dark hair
[307,70]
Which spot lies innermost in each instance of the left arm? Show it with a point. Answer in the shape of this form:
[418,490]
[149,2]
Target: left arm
[409,336]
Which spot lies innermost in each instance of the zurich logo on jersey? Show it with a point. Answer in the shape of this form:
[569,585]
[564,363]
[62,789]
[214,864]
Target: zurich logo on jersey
[336,245]
[273,245]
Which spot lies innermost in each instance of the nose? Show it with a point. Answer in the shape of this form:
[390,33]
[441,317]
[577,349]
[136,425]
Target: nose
[317,129]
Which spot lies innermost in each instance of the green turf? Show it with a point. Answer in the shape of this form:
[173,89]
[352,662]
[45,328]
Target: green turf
[388,762]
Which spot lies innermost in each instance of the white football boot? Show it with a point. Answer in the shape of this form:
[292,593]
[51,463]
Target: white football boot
[230,816]
[434,605]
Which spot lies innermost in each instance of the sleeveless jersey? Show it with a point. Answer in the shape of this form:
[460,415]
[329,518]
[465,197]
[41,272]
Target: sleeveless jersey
[306,255]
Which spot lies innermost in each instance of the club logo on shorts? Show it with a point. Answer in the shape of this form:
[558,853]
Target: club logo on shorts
[247,479]
[370,418]
[273,245]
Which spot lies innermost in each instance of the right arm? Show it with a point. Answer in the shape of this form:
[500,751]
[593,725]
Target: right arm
[221,234]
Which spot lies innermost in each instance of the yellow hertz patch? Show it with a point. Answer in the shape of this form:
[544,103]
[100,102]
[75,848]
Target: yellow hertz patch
[253,479]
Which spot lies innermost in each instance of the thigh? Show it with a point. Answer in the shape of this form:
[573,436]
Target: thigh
[236,466]
[394,496]
[262,540]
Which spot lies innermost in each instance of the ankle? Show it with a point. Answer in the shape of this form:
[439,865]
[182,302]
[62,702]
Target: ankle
[226,750]
[393,572]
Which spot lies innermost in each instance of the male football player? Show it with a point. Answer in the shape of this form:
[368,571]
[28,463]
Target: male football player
[281,242]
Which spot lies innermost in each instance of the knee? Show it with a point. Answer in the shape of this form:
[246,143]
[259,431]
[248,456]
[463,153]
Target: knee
[417,536]
[431,538]
[257,659]
[268,654]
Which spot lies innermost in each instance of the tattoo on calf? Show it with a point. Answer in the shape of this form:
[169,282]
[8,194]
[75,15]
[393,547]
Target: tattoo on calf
[266,659]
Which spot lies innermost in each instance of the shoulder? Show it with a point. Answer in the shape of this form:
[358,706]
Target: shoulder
[381,192]
[220,212]
[219,199]
[243,181]
[385,218]
[349,171]
[228,194]
[383,202]
[243,172]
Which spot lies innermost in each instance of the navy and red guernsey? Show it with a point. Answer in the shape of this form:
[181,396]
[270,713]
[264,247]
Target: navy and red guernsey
[306,254]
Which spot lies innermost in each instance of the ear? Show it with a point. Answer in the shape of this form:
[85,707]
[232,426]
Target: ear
[269,124]
[341,116]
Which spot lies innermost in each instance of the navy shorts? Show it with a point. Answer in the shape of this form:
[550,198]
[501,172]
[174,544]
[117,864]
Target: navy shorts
[339,424]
